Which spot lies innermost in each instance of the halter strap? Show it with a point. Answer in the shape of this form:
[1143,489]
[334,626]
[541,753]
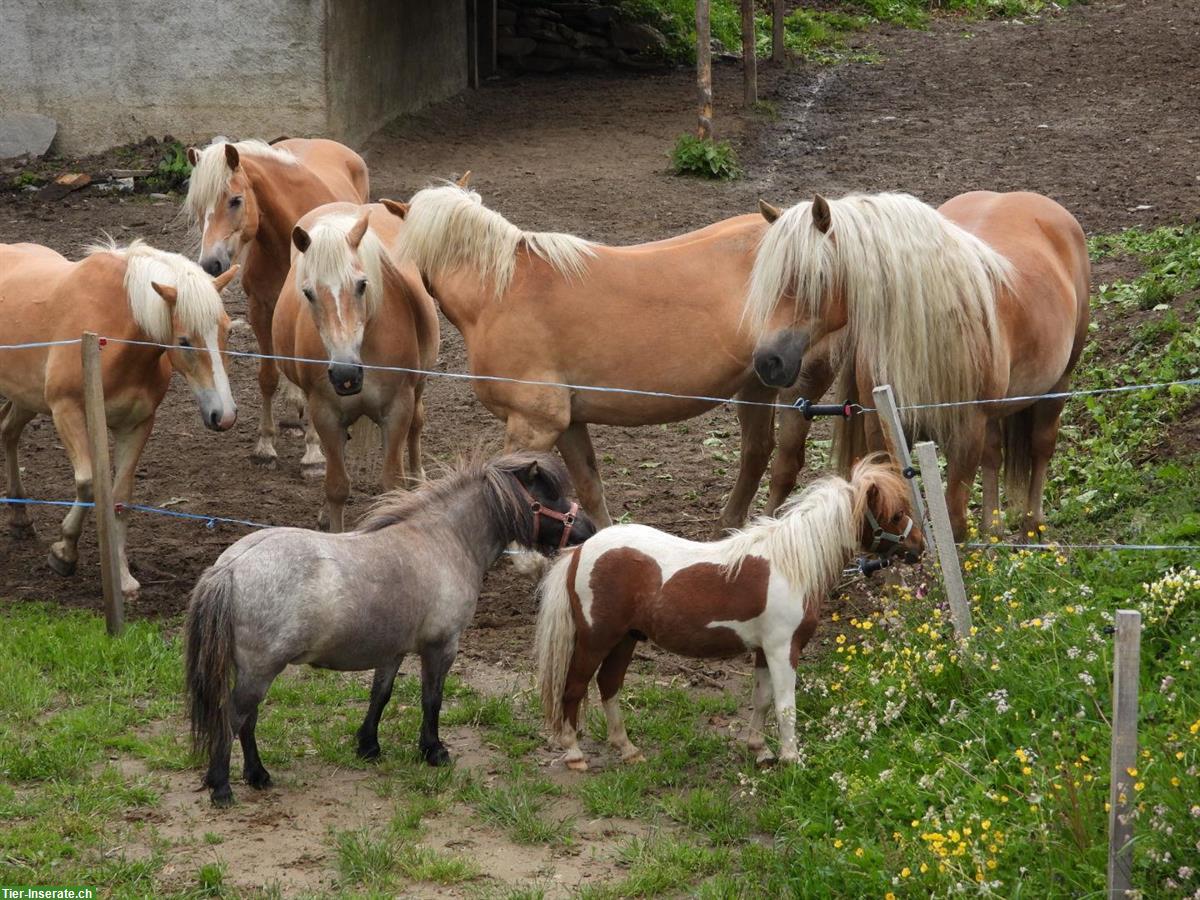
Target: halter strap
[879,535]
[538,510]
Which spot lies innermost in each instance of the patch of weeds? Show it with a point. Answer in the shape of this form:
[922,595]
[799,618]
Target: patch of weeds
[766,109]
[709,812]
[662,866]
[210,880]
[704,158]
[622,792]
[377,859]
[25,179]
[1171,257]
[517,804]
[172,170]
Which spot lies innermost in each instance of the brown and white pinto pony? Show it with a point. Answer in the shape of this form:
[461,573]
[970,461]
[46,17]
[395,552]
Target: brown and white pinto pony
[246,197]
[983,298]
[759,589]
[663,316]
[349,300]
[133,293]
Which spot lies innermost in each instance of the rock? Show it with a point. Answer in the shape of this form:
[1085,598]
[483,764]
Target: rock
[515,46]
[554,51]
[158,196]
[25,134]
[590,62]
[541,31]
[506,17]
[543,64]
[601,15]
[637,37]
[581,39]
[116,186]
[65,184]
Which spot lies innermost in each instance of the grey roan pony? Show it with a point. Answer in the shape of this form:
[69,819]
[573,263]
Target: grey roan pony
[405,581]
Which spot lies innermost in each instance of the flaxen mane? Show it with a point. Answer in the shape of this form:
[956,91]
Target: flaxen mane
[198,306]
[920,294]
[211,174]
[448,227]
[329,258]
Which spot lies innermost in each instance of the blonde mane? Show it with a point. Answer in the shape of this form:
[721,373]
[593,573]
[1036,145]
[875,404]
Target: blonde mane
[920,294]
[211,175]
[198,306]
[448,227]
[329,258]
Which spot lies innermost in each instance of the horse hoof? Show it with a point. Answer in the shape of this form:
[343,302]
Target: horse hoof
[437,756]
[312,471]
[222,798]
[260,780]
[370,754]
[636,757]
[576,765]
[21,531]
[764,758]
[60,566]
[264,458]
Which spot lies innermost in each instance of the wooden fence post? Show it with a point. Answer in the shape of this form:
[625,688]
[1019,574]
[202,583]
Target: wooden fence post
[1126,663]
[778,50]
[704,128]
[749,56]
[106,518]
[897,446]
[939,516]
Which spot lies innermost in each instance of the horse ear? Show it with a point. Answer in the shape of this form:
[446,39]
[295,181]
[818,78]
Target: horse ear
[168,293]
[396,208]
[769,212]
[821,215]
[464,180]
[231,157]
[355,235]
[193,156]
[222,281]
[531,473]
[301,239]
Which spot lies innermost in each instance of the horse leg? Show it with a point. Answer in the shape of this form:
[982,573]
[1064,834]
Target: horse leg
[396,425]
[783,684]
[260,315]
[575,445]
[247,695]
[962,464]
[761,702]
[381,693]
[992,457]
[312,464]
[416,466]
[13,420]
[127,450]
[436,660]
[337,482]
[758,441]
[1046,415]
[815,378]
[609,679]
[72,430]
[584,662]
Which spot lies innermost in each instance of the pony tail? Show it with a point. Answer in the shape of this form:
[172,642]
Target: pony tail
[209,660]
[554,644]
[849,435]
[1017,431]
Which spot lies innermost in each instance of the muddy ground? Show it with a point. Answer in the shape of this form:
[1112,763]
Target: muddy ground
[1092,106]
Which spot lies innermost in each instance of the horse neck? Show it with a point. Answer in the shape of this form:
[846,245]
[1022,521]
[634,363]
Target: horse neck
[463,297]
[283,193]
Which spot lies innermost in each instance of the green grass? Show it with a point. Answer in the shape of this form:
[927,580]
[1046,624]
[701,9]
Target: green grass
[704,158]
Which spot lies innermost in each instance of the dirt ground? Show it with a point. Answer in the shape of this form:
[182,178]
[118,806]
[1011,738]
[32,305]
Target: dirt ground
[1091,106]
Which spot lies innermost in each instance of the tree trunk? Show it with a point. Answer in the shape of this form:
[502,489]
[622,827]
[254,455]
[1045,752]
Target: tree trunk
[749,63]
[778,50]
[704,70]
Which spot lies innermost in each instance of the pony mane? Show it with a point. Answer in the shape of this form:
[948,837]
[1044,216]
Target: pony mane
[920,294]
[198,306]
[506,508]
[448,227]
[211,175]
[329,256]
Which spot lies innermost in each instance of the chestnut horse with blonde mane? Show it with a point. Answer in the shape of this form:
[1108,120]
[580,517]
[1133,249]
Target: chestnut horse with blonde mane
[543,307]
[246,197]
[759,589]
[135,293]
[349,300]
[982,299]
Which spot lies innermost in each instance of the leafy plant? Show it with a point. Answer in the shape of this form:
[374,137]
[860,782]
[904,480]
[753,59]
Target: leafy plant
[172,170]
[704,158]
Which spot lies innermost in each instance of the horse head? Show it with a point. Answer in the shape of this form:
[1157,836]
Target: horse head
[339,271]
[222,202]
[535,489]
[883,509]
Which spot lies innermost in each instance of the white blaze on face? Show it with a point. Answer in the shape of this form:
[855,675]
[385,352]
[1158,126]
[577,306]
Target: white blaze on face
[220,376]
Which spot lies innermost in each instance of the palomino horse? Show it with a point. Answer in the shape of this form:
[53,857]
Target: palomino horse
[246,197]
[405,582]
[982,299]
[658,317]
[759,589]
[348,299]
[134,293]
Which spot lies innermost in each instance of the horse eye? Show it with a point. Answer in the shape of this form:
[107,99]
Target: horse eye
[361,287]
[308,292]
[897,517]
[235,202]
[184,342]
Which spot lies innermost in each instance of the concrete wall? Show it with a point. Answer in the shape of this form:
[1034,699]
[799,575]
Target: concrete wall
[113,71]
[387,57]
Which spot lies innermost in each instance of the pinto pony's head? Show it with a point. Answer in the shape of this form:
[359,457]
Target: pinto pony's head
[883,510]
[221,198]
[339,270]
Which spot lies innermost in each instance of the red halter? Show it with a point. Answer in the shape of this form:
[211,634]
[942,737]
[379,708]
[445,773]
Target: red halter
[538,510]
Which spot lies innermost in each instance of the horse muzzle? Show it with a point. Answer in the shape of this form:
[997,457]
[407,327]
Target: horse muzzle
[216,262]
[346,378]
[778,358]
[217,415]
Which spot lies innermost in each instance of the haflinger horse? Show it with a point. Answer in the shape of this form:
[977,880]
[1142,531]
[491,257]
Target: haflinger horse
[134,293]
[759,589]
[246,197]
[544,307]
[982,299]
[406,581]
[348,299]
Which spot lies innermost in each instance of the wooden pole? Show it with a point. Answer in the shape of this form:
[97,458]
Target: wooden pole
[778,50]
[749,56]
[704,129]
[1121,801]
[106,518]
[897,446]
[939,515]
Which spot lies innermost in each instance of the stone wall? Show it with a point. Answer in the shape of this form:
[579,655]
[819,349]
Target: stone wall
[551,36]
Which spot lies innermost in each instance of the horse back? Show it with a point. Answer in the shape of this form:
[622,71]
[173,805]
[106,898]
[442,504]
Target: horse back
[341,170]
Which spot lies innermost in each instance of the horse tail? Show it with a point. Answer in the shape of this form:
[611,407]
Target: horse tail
[210,658]
[1017,431]
[849,435]
[554,644]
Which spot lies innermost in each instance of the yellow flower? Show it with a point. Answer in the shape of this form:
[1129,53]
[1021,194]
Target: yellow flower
[889,896]
[924,868]
[1175,781]
[859,852]
[1179,754]
[838,843]
[841,639]
[905,872]
[835,617]
[1025,770]
[1132,772]
[985,824]
[1140,786]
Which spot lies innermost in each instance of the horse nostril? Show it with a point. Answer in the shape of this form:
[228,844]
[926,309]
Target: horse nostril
[214,420]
